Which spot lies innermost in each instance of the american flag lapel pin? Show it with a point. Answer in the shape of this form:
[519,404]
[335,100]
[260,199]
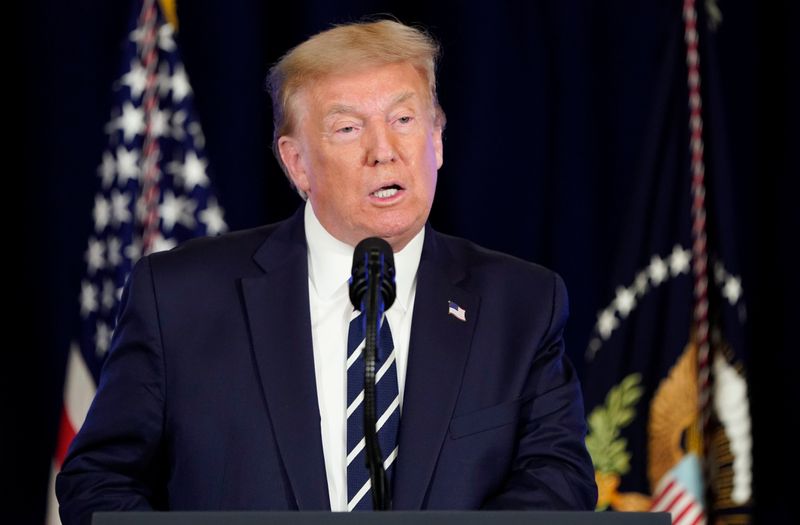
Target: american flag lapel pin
[456,311]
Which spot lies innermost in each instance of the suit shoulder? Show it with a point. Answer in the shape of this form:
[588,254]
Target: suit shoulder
[229,252]
[502,279]
[481,261]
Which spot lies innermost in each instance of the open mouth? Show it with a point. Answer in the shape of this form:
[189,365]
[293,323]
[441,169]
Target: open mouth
[387,191]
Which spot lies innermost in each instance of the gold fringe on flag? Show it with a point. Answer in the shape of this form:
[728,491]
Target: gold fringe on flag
[170,10]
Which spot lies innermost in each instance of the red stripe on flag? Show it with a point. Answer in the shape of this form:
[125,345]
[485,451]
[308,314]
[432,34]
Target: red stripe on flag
[689,506]
[699,519]
[674,500]
[662,493]
[66,433]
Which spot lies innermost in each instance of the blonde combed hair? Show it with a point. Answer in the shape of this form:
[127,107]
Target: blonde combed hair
[345,48]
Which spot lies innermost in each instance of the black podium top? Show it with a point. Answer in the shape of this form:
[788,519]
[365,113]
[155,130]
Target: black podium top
[382,518]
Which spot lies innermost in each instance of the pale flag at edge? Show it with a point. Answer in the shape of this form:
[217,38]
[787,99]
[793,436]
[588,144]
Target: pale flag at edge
[153,192]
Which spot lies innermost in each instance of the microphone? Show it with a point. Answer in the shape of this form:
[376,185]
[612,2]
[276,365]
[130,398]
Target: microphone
[372,291]
[372,254]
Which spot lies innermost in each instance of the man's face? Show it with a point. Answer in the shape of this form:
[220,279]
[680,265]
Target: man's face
[366,150]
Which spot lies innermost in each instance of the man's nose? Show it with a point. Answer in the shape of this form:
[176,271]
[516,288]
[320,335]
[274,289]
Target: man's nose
[380,145]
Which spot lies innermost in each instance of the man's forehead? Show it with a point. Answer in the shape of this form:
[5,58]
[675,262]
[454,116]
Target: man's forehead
[393,77]
[324,96]
[334,107]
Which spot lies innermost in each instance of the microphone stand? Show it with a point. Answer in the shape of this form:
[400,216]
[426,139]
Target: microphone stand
[379,289]
[381,499]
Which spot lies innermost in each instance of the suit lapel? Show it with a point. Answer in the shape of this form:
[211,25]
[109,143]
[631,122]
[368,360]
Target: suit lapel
[438,351]
[280,324]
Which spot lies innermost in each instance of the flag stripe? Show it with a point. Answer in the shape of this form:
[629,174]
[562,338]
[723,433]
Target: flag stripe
[66,433]
[79,389]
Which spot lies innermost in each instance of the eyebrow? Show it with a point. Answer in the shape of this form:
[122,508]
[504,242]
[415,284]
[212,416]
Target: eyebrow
[338,109]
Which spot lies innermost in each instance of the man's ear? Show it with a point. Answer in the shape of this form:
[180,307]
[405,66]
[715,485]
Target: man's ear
[438,147]
[292,156]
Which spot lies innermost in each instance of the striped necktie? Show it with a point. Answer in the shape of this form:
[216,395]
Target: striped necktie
[359,494]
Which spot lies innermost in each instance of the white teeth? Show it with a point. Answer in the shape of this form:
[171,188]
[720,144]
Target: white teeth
[382,194]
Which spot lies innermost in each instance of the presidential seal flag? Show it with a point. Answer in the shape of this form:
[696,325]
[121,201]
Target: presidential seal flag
[153,192]
[665,383]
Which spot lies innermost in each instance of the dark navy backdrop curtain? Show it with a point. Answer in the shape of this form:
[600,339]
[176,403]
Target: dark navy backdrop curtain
[550,107]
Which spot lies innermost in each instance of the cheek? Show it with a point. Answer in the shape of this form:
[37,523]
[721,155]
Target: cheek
[432,154]
[338,164]
[336,182]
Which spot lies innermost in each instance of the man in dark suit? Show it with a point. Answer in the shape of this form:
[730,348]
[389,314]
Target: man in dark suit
[227,384]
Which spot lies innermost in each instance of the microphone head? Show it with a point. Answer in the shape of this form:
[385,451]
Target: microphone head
[373,254]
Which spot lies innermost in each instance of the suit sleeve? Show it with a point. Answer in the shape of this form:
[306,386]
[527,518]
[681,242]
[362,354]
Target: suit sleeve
[113,463]
[552,469]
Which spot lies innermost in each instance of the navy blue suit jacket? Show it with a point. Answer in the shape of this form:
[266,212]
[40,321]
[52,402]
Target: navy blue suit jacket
[208,397]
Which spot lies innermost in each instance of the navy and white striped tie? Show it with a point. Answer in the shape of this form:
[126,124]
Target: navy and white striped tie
[387,403]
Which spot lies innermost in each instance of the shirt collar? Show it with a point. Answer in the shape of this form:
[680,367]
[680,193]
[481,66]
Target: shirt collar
[331,260]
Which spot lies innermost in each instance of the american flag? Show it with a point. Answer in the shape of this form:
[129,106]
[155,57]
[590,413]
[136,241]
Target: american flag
[456,311]
[153,193]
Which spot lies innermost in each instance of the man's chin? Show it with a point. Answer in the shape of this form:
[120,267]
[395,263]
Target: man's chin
[398,238]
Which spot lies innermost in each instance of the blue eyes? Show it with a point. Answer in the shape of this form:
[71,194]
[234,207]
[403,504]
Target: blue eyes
[346,130]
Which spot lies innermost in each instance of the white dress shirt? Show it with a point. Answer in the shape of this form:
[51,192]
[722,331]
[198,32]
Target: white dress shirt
[329,264]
